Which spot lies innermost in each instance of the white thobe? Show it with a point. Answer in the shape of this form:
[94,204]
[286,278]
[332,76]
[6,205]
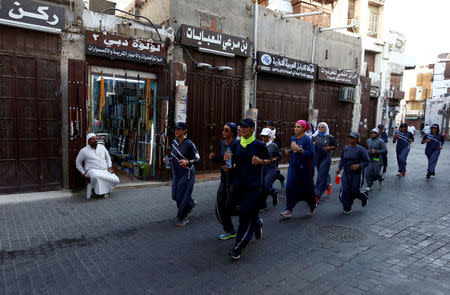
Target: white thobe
[95,163]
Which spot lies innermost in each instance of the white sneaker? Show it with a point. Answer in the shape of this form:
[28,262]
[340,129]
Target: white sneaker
[106,195]
[368,189]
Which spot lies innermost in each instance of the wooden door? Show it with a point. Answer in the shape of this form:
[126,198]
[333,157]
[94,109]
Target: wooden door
[30,127]
[337,114]
[283,101]
[368,110]
[214,98]
[77,118]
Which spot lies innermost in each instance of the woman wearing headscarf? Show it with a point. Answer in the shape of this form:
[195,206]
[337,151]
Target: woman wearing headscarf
[376,148]
[225,208]
[270,170]
[300,182]
[324,143]
[384,137]
[434,142]
[248,157]
[404,138]
[184,155]
[354,159]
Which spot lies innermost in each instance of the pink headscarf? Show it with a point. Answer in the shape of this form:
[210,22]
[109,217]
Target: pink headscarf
[304,124]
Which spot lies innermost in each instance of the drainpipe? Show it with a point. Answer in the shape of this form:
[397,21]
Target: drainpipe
[255,49]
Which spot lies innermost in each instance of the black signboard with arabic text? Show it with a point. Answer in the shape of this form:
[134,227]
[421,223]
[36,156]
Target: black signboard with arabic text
[280,65]
[28,14]
[338,76]
[214,42]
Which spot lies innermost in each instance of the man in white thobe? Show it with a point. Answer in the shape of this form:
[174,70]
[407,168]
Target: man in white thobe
[94,162]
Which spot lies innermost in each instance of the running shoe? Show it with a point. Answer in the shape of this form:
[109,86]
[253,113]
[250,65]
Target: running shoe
[258,231]
[364,199]
[329,190]
[275,199]
[317,199]
[381,179]
[404,173]
[347,212]
[428,176]
[311,213]
[106,195]
[182,223]
[227,236]
[433,174]
[399,174]
[235,255]
[368,189]
[286,214]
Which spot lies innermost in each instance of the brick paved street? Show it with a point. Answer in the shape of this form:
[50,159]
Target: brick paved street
[128,244]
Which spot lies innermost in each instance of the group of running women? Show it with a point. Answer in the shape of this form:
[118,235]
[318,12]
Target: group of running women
[249,167]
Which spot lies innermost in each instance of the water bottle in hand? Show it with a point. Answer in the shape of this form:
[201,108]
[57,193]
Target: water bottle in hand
[228,163]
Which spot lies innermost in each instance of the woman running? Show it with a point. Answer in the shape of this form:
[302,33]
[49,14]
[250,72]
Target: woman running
[354,158]
[224,204]
[434,142]
[300,182]
[404,138]
[248,157]
[324,143]
[184,156]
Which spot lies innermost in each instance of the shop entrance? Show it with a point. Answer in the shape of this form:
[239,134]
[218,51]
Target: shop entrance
[122,114]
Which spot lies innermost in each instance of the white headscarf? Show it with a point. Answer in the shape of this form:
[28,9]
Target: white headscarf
[317,131]
[89,136]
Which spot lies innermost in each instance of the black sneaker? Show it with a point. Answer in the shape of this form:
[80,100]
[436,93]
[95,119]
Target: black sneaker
[235,255]
[258,231]
[364,199]
[428,176]
[275,199]
[433,174]
[381,179]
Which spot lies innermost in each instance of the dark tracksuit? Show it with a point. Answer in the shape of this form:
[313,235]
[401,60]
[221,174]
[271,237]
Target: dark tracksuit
[225,208]
[247,189]
[351,180]
[323,162]
[372,172]
[183,178]
[270,171]
[300,178]
[432,150]
[402,149]
[385,138]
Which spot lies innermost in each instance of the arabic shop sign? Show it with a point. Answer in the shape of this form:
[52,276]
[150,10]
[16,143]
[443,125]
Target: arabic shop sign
[117,47]
[338,76]
[280,65]
[214,42]
[27,14]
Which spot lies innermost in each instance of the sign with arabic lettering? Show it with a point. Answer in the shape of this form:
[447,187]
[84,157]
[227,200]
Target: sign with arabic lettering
[117,47]
[28,14]
[214,42]
[338,76]
[280,65]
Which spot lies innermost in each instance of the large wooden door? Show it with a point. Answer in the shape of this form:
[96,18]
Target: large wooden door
[283,101]
[214,98]
[30,121]
[77,123]
[337,114]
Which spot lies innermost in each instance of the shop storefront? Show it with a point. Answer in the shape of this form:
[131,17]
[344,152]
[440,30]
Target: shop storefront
[124,110]
[30,97]
[334,95]
[283,88]
[214,82]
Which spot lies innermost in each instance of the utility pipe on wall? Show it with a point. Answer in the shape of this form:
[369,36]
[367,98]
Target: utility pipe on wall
[255,48]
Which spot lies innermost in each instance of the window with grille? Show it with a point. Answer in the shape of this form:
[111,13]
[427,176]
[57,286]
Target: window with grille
[373,22]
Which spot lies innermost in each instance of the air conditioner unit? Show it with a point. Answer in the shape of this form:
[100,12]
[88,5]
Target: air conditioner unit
[347,94]
[389,93]
[353,21]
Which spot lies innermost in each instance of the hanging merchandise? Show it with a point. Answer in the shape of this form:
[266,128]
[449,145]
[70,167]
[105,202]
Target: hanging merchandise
[102,96]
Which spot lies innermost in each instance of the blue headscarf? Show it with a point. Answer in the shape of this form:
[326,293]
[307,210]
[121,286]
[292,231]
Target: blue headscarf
[233,128]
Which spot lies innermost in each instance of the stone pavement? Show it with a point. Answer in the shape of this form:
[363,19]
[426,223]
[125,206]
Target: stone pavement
[128,244]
